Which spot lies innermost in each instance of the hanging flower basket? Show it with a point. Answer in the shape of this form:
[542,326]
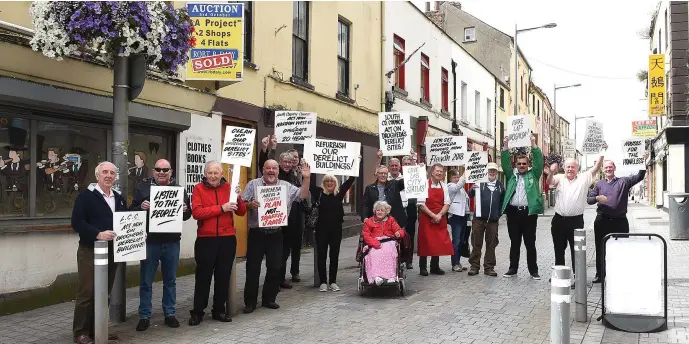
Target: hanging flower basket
[112,28]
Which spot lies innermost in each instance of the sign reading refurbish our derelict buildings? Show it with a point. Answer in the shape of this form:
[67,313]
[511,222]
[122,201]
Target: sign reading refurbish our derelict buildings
[219,33]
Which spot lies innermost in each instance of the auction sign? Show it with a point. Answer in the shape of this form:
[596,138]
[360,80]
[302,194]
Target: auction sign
[219,33]
[648,128]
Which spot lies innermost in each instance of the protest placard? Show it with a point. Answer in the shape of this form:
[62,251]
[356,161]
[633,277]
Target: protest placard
[167,209]
[272,208]
[476,164]
[446,150]
[333,157]
[236,173]
[633,152]
[129,244]
[295,126]
[593,139]
[415,181]
[199,151]
[394,132]
[569,148]
[238,146]
[518,131]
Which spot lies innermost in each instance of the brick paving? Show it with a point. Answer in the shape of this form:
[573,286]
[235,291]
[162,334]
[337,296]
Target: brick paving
[454,308]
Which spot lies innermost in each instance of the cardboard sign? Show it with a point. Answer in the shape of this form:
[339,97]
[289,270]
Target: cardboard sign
[238,146]
[199,151]
[295,126]
[167,209]
[130,240]
[272,209]
[476,164]
[518,131]
[333,157]
[446,150]
[633,152]
[593,139]
[395,133]
[569,148]
[415,181]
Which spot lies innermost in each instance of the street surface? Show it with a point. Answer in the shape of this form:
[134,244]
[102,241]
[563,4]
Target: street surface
[454,308]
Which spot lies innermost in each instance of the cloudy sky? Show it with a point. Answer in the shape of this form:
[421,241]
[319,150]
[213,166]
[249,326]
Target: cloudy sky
[594,44]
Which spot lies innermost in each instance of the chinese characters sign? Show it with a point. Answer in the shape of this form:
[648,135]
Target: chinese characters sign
[656,85]
[647,128]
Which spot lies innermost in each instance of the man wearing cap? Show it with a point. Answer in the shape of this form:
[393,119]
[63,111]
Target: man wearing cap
[490,196]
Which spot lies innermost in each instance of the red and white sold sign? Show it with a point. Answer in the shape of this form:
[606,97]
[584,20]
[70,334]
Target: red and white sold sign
[212,62]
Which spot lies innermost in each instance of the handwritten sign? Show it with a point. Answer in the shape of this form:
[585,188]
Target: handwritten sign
[333,157]
[446,150]
[295,126]
[130,240]
[199,151]
[476,164]
[633,152]
[272,209]
[593,139]
[518,131]
[394,132]
[569,148]
[415,181]
[166,213]
[238,146]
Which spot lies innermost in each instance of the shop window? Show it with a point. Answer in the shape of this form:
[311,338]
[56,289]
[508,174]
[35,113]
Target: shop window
[15,166]
[144,150]
[398,55]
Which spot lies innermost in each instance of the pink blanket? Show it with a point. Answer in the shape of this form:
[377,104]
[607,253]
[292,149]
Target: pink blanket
[381,262]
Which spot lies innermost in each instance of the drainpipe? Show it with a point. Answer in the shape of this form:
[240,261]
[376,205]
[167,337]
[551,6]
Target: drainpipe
[382,57]
[454,94]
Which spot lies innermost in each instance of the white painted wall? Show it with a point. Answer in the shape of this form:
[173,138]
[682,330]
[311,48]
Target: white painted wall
[406,21]
[660,196]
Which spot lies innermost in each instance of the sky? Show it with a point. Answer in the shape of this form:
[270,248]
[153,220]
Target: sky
[594,44]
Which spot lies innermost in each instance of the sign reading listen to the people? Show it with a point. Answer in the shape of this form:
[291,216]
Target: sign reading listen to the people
[476,164]
[446,150]
[593,139]
[394,132]
[633,152]
[295,126]
[238,146]
[272,206]
[415,181]
[518,131]
[333,157]
[167,209]
[129,244]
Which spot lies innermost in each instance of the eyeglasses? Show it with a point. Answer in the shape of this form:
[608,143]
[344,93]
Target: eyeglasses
[164,170]
[521,164]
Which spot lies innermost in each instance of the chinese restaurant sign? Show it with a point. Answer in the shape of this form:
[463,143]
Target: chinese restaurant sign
[656,85]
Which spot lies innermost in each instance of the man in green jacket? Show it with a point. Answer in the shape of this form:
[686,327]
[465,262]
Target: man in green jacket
[523,203]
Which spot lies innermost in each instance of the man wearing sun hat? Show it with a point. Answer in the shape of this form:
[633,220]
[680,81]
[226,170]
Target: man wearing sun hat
[484,226]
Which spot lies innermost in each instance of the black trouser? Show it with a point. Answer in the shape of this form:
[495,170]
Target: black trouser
[328,236]
[435,263]
[410,228]
[291,243]
[562,228]
[262,243]
[602,226]
[214,257]
[522,225]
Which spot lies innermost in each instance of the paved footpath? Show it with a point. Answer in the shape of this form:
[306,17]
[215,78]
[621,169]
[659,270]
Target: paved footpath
[454,308]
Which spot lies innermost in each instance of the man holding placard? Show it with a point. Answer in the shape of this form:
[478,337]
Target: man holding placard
[92,218]
[490,196]
[268,240]
[160,246]
[292,236]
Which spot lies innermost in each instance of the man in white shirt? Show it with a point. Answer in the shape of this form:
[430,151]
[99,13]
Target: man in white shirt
[571,190]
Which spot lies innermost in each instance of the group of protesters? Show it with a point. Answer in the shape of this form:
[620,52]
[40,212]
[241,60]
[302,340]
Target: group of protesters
[447,204]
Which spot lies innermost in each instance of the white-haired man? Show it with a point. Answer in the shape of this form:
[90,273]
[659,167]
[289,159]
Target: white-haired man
[570,202]
[92,219]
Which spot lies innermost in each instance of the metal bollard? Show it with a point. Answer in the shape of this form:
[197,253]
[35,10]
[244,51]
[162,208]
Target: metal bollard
[559,304]
[232,295]
[100,291]
[580,297]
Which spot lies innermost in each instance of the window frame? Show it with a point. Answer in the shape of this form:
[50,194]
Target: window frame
[444,89]
[248,30]
[399,54]
[343,23]
[472,30]
[502,98]
[425,78]
[464,94]
[305,40]
[477,108]
[489,112]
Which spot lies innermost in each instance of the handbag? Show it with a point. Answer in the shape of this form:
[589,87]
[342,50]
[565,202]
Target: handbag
[312,216]
[464,248]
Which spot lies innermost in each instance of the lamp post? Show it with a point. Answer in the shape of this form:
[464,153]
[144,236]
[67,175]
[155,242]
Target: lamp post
[575,136]
[516,59]
[555,88]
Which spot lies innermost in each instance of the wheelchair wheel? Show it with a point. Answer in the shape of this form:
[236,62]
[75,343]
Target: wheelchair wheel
[360,286]
[401,286]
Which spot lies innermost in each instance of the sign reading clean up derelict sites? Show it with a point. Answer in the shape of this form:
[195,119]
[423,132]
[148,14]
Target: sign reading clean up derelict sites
[238,146]
[446,150]
[219,34]
[340,158]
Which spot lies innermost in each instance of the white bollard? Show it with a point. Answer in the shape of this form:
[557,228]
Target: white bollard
[580,297]
[100,291]
[560,300]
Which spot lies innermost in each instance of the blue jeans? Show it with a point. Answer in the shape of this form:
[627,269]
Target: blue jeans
[168,255]
[458,224]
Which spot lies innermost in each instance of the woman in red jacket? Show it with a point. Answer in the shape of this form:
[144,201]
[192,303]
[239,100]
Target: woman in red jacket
[216,244]
[381,260]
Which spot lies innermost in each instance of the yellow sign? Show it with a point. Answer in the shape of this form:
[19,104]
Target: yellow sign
[219,34]
[656,85]
[647,128]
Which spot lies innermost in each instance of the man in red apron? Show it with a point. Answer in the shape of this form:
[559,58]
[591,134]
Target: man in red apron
[434,238]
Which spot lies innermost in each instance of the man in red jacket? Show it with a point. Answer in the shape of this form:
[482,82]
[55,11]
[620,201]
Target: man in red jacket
[216,244]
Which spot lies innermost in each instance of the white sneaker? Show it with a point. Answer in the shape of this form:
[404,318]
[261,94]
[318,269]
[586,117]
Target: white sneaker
[392,280]
[457,268]
[324,287]
[379,281]
[333,287]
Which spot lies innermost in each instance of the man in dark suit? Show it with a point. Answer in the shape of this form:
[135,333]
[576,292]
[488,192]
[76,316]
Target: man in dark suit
[92,219]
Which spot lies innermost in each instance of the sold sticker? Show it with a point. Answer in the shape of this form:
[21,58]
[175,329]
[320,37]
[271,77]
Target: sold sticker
[212,62]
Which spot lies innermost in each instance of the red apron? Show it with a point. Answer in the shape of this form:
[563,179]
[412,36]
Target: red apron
[434,238]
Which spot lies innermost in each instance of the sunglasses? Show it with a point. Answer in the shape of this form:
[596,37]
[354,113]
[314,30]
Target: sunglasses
[165,170]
